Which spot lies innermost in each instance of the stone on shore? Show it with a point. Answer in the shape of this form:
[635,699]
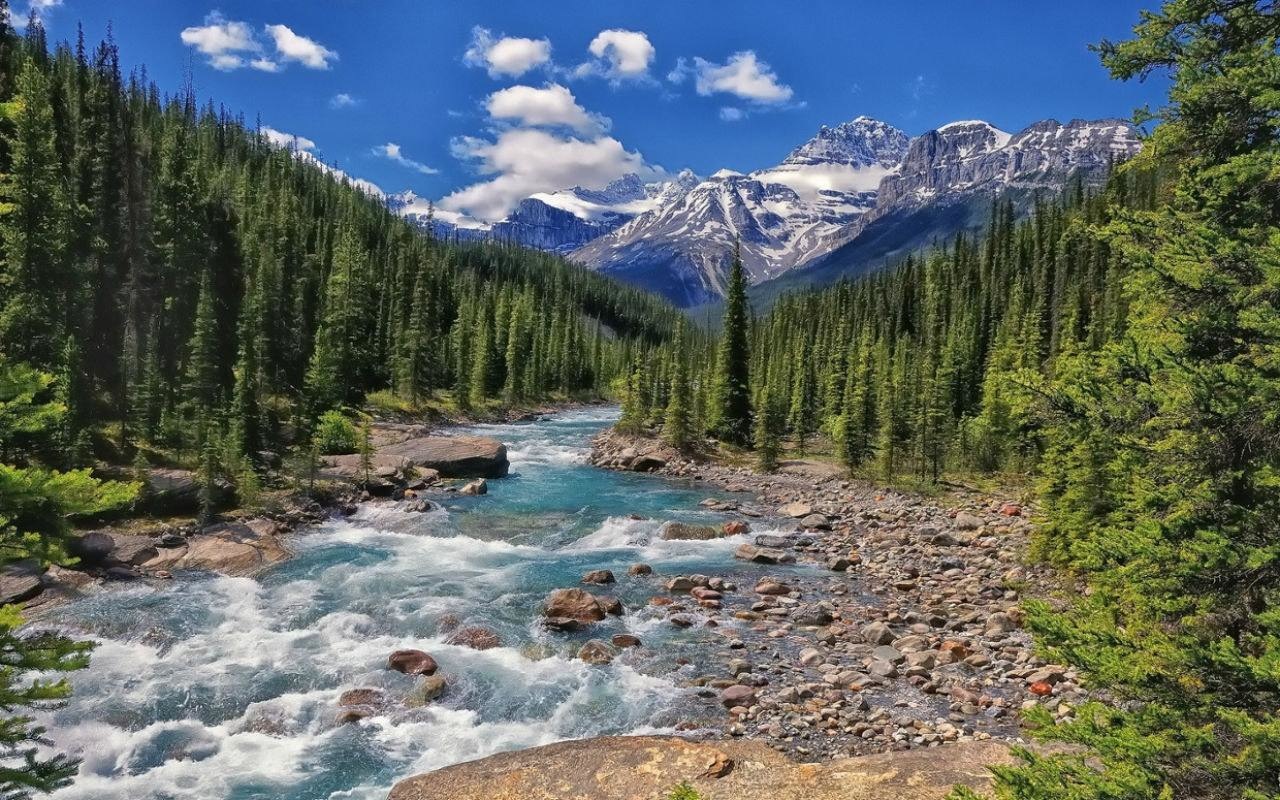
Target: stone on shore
[645,767]
[796,510]
[230,548]
[475,488]
[450,456]
[20,581]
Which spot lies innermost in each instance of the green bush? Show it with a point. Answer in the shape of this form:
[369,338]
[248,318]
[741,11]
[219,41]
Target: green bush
[683,792]
[335,434]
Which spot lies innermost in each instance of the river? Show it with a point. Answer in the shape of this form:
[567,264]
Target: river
[224,688]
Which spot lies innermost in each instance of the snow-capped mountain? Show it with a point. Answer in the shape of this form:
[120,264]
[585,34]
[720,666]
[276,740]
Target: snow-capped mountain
[853,192]
[557,221]
[781,215]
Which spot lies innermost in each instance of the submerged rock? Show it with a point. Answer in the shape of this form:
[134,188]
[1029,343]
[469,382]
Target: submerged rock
[597,652]
[475,637]
[683,531]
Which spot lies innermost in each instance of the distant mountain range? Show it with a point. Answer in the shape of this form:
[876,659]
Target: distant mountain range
[844,202]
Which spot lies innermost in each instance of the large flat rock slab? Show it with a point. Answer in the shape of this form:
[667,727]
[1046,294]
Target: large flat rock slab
[231,548]
[646,767]
[452,456]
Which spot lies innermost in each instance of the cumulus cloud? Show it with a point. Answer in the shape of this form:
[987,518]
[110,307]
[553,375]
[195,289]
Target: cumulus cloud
[550,105]
[509,56]
[223,42]
[230,44]
[619,55]
[732,114]
[392,151]
[744,76]
[524,161]
[292,47]
[343,100]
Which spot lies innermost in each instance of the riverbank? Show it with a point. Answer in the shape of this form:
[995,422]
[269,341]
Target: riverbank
[904,631]
[162,535]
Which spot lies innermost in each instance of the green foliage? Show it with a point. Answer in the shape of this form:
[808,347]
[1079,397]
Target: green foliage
[683,792]
[731,418]
[335,434]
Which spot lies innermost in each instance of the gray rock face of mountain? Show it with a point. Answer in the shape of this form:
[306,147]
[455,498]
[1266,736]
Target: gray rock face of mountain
[545,227]
[781,216]
[853,193]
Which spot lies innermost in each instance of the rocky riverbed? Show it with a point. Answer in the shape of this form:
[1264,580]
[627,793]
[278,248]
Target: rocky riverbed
[893,622]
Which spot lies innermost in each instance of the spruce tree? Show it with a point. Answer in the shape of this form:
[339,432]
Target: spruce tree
[732,403]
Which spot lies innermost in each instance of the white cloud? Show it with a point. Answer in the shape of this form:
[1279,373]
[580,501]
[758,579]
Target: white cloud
[222,40]
[680,71]
[732,114]
[304,150]
[744,76]
[525,161]
[35,8]
[509,56]
[292,47]
[343,100]
[392,151]
[550,105]
[230,44]
[620,55]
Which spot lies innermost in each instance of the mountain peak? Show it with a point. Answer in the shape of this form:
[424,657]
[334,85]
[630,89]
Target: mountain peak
[861,141]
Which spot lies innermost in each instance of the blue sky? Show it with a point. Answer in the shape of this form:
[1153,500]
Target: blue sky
[477,103]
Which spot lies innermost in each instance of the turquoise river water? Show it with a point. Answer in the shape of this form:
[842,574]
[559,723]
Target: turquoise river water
[225,688]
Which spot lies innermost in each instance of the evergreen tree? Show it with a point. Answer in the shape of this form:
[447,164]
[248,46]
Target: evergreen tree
[732,405]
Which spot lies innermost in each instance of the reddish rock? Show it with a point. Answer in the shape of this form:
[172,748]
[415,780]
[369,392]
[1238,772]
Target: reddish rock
[703,593]
[735,528]
[640,569]
[769,586]
[412,662]
[1041,688]
[625,640]
[660,600]
[611,605]
[738,695]
[1011,510]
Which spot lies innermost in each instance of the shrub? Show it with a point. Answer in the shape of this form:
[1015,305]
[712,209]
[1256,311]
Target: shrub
[335,434]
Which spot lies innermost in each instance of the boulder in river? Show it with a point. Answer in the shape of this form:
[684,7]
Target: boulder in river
[762,555]
[735,527]
[453,456]
[475,637]
[683,531]
[476,487]
[431,687]
[574,604]
[412,662]
[599,577]
[597,652]
[625,640]
[640,569]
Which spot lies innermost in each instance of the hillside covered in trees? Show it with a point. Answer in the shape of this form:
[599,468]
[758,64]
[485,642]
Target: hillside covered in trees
[1118,350]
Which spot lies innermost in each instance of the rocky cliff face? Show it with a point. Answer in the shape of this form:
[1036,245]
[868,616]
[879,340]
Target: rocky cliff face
[781,216]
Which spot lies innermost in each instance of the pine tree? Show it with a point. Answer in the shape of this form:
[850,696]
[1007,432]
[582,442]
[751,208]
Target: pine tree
[767,432]
[677,426]
[732,414]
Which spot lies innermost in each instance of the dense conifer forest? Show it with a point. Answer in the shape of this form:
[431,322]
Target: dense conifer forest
[1119,351]
[177,290]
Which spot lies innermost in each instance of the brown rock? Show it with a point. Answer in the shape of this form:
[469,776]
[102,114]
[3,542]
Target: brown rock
[453,456]
[599,577]
[680,531]
[412,662]
[573,604]
[645,767]
[640,569]
[597,652]
[430,689]
[625,640]
[475,637]
[735,527]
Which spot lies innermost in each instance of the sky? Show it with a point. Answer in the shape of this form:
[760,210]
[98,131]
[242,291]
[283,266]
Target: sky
[475,105]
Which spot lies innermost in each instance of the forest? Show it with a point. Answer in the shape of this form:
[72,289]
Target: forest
[1119,352]
[175,289]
